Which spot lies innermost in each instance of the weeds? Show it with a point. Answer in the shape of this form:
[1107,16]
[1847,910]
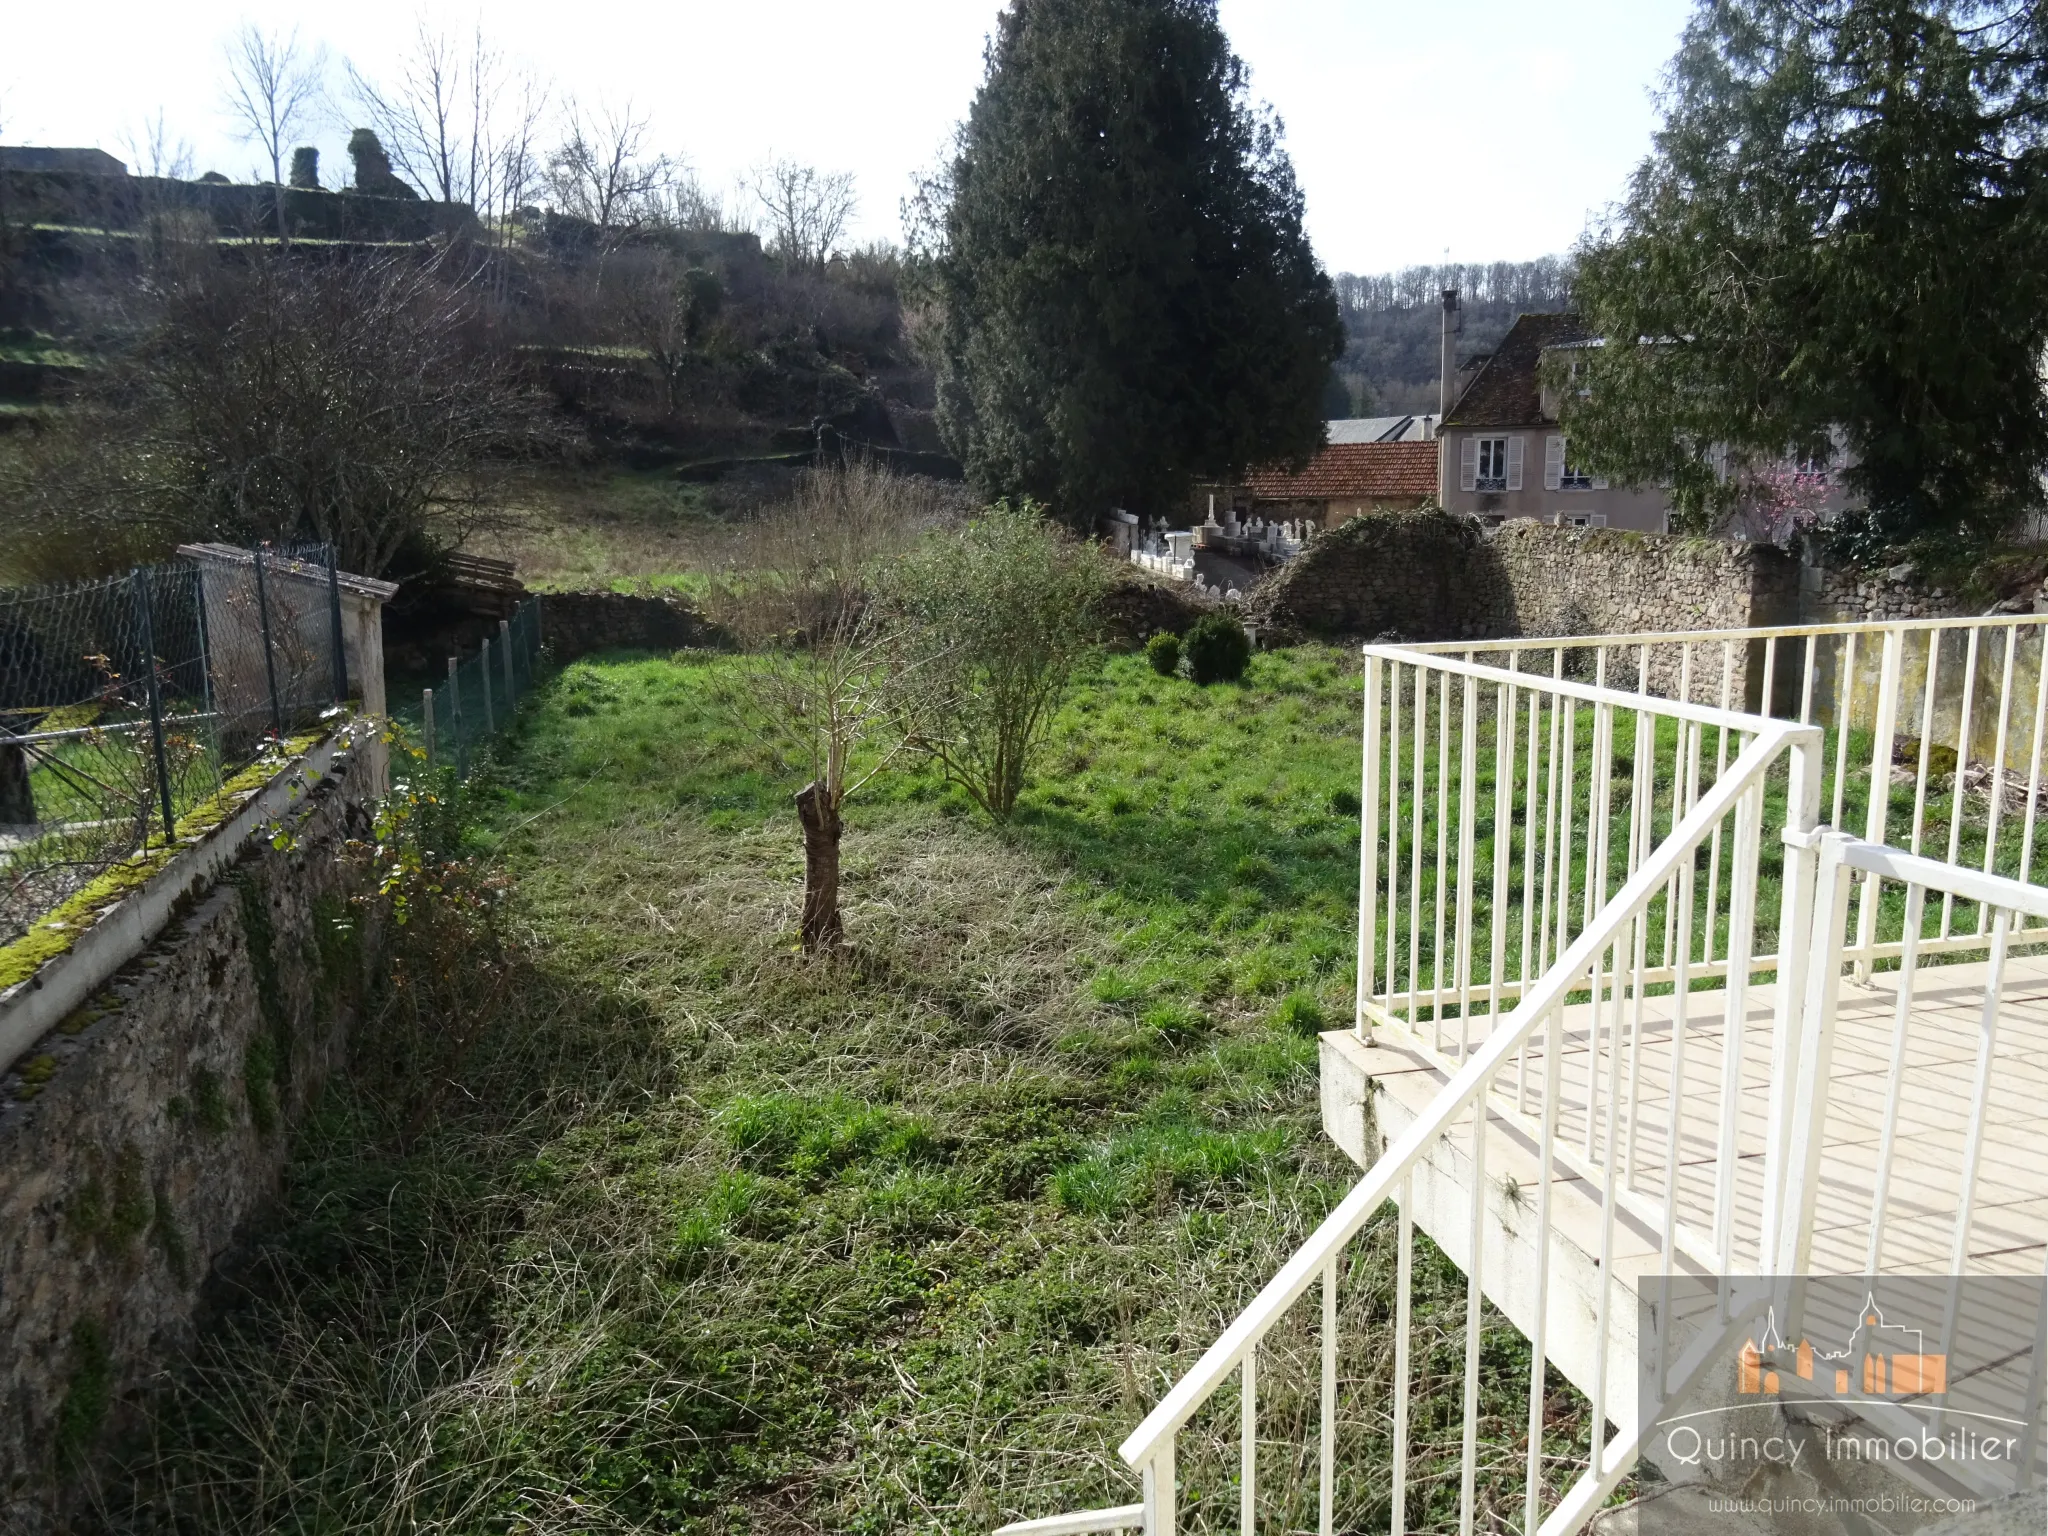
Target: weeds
[627,1218]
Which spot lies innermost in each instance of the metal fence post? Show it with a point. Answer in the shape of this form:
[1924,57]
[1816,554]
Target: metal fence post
[334,626]
[484,670]
[455,718]
[427,717]
[269,660]
[511,682]
[140,581]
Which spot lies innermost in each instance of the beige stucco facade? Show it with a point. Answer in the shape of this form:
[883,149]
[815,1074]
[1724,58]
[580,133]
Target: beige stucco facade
[1530,487]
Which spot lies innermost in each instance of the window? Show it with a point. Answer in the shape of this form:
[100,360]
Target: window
[1560,474]
[1490,464]
[1493,464]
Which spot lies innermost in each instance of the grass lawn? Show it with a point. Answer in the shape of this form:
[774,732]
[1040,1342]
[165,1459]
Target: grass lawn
[669,1228]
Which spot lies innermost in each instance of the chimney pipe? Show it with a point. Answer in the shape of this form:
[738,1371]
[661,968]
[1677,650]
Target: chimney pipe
[1454,324]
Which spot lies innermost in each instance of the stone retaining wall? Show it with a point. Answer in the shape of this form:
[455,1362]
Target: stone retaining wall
[1423,575]
[574,624]
[1590,581]
[138,1136]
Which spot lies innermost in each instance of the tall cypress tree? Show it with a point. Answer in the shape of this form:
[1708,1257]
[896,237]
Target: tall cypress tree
[1128,299]
[1839,234]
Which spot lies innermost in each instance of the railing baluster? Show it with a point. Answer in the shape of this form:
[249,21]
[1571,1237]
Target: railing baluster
[1468,816]
[1895,1078]
[1955,812]
[1369,908]
[1638,847]
[1505,737]
[1475,1298]
[2012,636]
[1326,1460]
[1845,712]
[1546,1152]
[1248,1435]
[1393,833]
[1420,722]
[1437,989]
[1720,767]
[1980,1094]
[1749,815]
[1926,736]
[1404,1281]
[1809,664]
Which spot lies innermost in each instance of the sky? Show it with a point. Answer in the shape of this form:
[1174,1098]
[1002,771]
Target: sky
[1492,130]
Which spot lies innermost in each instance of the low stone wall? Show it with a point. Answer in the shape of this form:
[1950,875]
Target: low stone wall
[574,624]
[1593,581]
[138,1136]
[1138,605]
[1423,575]
[1430,576]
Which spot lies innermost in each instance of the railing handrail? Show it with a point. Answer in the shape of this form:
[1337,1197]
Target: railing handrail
[1565,687]
[1321,1248]
[1747,632]
[1976,885]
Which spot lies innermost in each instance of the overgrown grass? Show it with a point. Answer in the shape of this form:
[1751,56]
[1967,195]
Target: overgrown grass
[694,1234]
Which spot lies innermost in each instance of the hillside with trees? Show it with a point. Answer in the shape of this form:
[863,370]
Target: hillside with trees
[1393,324]
[520,283]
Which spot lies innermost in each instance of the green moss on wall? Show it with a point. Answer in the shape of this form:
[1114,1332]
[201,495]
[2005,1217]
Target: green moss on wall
[88,1395]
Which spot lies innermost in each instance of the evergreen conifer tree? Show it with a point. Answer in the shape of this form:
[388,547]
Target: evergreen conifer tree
[1837,241]
[1127,297]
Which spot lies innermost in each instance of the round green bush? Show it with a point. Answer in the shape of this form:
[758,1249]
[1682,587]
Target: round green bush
[1217,648]
[1163,651]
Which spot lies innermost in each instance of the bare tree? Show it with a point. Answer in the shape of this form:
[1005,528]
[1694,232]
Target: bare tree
[345,401]
[274,89]
[662,305]
[458,122]
[600,172]
[807,210]
[153,152]
[824,679]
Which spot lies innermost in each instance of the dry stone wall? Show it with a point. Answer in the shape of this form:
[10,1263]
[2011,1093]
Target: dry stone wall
[1588,581]
[1422,575]
[140,1135]
[574,624]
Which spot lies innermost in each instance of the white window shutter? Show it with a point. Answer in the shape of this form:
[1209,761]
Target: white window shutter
[1515,463]
[1599,482]
[1553,462]
[1468,463]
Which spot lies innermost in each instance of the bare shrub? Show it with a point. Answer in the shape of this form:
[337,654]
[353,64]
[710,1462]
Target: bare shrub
[344,400]
[827,676]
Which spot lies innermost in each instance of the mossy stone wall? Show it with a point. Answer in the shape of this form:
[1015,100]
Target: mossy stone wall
[139,1136]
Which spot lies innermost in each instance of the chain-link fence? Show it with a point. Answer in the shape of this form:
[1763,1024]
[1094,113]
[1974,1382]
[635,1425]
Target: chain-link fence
[479,693]
[126,704]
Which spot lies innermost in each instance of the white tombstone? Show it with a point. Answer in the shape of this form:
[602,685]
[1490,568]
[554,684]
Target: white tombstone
[1181,544]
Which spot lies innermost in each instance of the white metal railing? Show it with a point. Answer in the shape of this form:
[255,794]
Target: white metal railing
[1935,729]
[1947,1149]
[1950,714]
[1602,960]
[1553,871]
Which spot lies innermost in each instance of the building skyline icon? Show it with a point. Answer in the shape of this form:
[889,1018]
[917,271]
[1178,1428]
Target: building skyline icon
[1881,1359]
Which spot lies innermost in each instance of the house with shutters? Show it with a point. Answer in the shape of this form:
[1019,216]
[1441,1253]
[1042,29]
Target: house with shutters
[1502,453]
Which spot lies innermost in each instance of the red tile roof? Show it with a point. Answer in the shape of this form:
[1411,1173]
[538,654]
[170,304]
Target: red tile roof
[1352,470]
